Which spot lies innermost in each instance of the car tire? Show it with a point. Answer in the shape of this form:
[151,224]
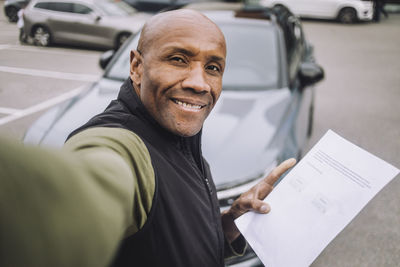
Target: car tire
[347,15]
[41,36]
[121,38]
[12,14]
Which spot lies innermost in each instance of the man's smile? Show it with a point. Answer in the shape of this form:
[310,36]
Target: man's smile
[188,106]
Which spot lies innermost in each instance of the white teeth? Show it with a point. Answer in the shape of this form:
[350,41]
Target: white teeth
[187,105]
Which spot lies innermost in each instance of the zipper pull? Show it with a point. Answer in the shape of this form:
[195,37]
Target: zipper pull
[208,185]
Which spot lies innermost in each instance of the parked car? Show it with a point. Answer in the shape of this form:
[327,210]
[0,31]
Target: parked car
[345,11]
[161,5]
[156,5]
[11,8]
[263,116]
[98,23]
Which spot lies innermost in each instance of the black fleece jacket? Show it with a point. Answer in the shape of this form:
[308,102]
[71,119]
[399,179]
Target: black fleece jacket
[183,227]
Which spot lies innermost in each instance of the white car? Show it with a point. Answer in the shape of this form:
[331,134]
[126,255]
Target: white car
[345,11]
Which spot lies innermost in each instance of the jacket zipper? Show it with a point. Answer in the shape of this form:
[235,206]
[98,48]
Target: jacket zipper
[210,191]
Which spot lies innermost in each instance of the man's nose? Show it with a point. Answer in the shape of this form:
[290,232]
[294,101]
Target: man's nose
[196,79]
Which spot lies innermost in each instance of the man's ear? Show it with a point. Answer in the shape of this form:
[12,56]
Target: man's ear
[136,69]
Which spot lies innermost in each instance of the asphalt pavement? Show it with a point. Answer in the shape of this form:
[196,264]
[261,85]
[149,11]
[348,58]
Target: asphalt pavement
[358,99]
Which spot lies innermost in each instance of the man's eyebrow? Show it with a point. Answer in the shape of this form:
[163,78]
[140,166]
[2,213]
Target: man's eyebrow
[217,58]
[190,53]
[181,50]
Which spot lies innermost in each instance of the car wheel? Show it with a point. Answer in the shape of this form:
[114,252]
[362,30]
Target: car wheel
[122,37]
[347,15]
[41,36]
[12,14]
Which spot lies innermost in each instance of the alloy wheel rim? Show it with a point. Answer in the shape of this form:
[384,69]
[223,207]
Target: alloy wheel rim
[42,37]
[347,17]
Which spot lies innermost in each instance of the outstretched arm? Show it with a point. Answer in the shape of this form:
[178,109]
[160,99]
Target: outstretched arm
[72,207]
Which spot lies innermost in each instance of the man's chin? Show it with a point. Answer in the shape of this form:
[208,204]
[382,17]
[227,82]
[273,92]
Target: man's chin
[186,131]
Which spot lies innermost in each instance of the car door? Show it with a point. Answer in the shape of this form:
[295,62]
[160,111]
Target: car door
[90,26]
[320,8]
[301,97]
[59,20]
[298,7]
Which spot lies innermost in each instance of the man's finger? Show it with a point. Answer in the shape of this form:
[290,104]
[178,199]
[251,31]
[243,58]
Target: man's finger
[279,170]
[265,186]
[260,206]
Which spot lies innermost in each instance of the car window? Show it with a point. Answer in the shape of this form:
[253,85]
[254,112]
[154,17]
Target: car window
[55,6]
[81,9]
[294,40]
[252,58]
[252,61]
[115,8]
[42,5]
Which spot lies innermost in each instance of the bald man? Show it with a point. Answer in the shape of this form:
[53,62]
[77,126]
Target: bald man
[131,187]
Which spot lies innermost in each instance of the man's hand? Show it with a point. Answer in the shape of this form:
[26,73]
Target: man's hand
[252,200]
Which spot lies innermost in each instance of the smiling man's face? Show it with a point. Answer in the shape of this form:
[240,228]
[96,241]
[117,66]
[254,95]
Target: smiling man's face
[178,71]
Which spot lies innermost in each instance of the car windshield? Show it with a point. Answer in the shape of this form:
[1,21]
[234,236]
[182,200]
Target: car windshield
[115,8]
[252,58]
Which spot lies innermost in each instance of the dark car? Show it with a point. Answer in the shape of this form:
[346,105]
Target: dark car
[11,8]
[156,5]
[264,114]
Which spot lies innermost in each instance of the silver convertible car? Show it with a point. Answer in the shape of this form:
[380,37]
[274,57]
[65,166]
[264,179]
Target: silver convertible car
[265,111]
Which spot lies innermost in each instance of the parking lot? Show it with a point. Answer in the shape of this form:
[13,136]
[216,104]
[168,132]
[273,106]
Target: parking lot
[358,99]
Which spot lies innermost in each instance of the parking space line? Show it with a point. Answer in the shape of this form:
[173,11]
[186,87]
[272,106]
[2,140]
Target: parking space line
[5,46]
[9,110]
[51,74]
[41,106]
[55,51]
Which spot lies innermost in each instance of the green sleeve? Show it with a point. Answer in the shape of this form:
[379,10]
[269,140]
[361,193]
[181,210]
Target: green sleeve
[134,152]
[72,207]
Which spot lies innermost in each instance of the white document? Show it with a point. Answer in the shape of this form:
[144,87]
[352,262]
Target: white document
[314,202]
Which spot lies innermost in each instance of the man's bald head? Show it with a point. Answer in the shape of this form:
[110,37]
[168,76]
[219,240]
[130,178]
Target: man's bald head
[174,20]
[177,69]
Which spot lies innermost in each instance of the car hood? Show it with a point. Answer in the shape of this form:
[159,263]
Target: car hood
[245,133]
[242,136]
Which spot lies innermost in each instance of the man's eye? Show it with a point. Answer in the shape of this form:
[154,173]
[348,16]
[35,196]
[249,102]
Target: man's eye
[213,68]
[178,59]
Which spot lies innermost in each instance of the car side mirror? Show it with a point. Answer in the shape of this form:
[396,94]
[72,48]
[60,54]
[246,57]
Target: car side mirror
[105,58]
[95,16]
[310,73]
